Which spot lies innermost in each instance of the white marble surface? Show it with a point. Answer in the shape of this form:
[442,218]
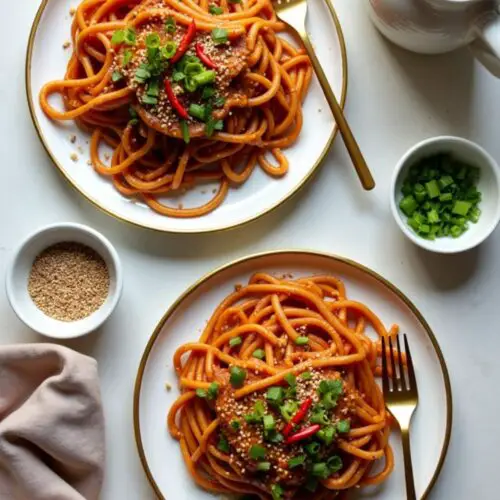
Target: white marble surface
[395,99]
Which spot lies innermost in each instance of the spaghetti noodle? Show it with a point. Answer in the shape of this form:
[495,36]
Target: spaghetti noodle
[279,395]
[184,92]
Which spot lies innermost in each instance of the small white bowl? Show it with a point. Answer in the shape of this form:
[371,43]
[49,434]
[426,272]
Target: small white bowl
[489,186]
[20,266]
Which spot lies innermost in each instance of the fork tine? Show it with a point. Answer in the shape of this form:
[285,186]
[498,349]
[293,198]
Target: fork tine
[395,384]
[409,363]
[402,380]
[385,374]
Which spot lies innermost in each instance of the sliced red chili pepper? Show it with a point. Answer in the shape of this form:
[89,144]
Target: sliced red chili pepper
[200,52]
[186,40]
[304,433]
[176,104]
[298,417]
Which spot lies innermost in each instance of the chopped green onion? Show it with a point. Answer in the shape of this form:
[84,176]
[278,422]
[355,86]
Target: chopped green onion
[334,464]
[237,376]
[289,409]
[153,88]
[235,425]
[344,426]
[302,340]
[170,25]
[194,68]
[168,50]
[219,35]
[432,189]
[446,197]
[204,77]
[219,102]
[320,470]
[118,37]
[319,416]
[178,76]
[408,205]
[235,340]
[264,466]
[207,92]
[116,76]
[290,379]
[257,452]
[312,449]
[185,131]
[148,99]
[433,216]
[199,112]
[330,385]
[152,41]
[201,393]
[276,437]
[296,461]
[213,390]
[223,444]
[142,74]
[327,435]
[276,492]
[127,57]
[461,208]
[130,37]
[214,10]
[190,84]
[259,354]
[269,423]
[474,214]
[306,376]
[275,395]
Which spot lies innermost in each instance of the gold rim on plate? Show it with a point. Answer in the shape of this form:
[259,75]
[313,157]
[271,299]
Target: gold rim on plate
[301,253]
[108,211]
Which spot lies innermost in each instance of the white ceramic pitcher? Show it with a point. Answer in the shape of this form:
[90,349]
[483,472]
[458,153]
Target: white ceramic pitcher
[437,26]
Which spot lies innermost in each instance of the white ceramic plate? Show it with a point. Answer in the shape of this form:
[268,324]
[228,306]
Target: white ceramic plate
[184,321]
[47,61]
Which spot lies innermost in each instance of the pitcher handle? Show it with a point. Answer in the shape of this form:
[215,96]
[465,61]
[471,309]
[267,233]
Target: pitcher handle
[486,47]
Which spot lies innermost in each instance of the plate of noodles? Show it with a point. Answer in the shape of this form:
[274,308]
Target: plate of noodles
[262,379]
[182,116]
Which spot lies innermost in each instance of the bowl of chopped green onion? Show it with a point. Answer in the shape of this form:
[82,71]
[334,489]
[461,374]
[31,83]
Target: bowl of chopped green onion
[445,194]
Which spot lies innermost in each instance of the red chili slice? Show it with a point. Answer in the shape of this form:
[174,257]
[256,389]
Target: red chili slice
[186,40]
[176,104]
[200,52]
[303,434]
[298,417]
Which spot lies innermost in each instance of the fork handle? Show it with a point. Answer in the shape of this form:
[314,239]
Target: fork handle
[357,158]
[410,485]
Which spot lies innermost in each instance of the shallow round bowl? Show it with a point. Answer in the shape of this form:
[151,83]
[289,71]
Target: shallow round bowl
[20,266]
[489,186]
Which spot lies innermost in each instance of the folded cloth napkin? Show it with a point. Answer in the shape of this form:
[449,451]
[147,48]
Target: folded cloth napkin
[51,424]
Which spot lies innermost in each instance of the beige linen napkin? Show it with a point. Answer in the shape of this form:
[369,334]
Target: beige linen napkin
[51,424]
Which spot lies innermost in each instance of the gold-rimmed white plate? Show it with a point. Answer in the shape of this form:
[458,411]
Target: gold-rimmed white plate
[184,321]
[47,60]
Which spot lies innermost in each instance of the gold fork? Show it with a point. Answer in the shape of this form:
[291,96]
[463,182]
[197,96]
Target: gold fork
[401,398]
[293,13]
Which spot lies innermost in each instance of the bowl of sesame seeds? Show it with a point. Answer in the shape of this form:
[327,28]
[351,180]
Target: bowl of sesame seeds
[64,280]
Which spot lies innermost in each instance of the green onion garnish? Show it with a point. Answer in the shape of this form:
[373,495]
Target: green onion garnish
[116,76]
[170,25]
[235,425]
[269,423]
[296,461]
[289,409]
[153,41]
[290,379]
[302,340]
[127,57]
[276,492]
[344,426]
[440,197]
[330,385]
[178,76]
[204,77]
[214,10]
[207,93]
[219,102]
[130,37]
[142,74]
[185,131]
[320,470]
[257,452]
[194,68]
[223,444]
[213,390]
[235,340]
[264,466]
[312,449]
[237,376]
[319,416]
[259,354]
[190,84]
[168,50]
[201,393]
[306,376]
[118,37]
[219,35]
[199,112]
[275,395]
[334,464]
[327,434]
[148,99]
